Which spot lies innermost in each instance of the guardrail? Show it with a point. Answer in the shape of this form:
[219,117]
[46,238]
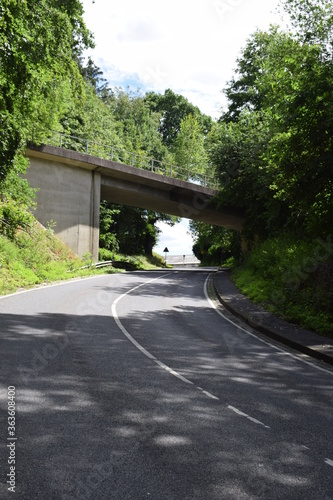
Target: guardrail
[119,155]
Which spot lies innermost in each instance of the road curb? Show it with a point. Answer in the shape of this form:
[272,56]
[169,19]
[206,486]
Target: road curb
[255,317]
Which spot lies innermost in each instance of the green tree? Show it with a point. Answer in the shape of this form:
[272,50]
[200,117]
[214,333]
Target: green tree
[173,109]
[102,133]
[287,79]
[38,74]
[131,230]
[107,236]
[213,244]
[242,91]
[138,125]
[94,76]
[189,149]
[298,88]
[312,22]
[236,149]
[39,81]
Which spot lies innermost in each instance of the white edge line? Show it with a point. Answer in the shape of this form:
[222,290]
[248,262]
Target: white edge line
[258,338]
[43,287]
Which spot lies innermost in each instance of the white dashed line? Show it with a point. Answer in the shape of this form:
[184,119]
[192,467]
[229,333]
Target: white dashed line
[210,395]
[160,363]
[329,462]
[134,342]
[242,414]
[173,372]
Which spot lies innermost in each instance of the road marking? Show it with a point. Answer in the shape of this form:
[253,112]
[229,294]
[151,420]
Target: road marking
[209,394]
[41,286]
[173,372]
[329,462]
[286,353]
[134,342]
[142,349]
[241,413]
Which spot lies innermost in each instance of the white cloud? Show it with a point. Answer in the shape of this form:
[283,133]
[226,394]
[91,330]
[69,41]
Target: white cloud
[141,30]
[189,46]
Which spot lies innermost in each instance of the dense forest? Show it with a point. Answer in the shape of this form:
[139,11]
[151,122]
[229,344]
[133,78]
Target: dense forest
[271,150]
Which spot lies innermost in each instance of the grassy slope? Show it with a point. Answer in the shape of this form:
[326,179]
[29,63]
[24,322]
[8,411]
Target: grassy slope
[292,278]
[36,256]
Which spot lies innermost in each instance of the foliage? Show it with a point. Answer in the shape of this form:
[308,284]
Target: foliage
[130,230]
[137,125]
[213,244]
[242,91]
[236,149]
[292,277]
[132,262]
[298,90]
[80,121]
[107,239]
[94,77]
[16,199]
[285,84]
[312,21]
[38,75]
[189,149]
[33,256]
[173,109]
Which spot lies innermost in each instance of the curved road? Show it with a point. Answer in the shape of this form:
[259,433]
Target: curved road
[136,386]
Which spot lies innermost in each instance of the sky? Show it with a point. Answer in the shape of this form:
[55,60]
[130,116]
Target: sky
[189,46]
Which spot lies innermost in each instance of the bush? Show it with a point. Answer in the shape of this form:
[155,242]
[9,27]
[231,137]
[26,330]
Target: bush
[13,216]
[293,278]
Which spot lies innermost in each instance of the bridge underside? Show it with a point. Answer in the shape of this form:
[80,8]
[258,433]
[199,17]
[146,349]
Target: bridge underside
[179,198]
[71,185]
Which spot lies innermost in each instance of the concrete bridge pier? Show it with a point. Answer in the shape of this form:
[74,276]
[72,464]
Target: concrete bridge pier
[71,198]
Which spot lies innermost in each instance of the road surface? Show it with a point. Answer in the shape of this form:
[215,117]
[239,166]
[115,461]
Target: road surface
[135,386]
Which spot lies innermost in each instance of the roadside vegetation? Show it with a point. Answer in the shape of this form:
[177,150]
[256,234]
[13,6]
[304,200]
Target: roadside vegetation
[271,152]
[33,256]
[293,278]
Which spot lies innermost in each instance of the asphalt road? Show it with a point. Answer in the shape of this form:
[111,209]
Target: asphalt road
[134,386]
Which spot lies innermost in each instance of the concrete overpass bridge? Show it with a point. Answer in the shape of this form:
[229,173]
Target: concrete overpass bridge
[71,185]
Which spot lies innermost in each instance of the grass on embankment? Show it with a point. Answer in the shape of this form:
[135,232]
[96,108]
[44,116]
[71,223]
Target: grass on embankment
[132,262]
[292,278]
[35,256]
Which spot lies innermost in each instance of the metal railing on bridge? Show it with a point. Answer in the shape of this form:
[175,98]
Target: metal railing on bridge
[136,160]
